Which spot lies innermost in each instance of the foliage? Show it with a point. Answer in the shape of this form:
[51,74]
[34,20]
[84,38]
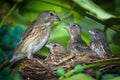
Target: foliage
[60,72]
[5,74]
[97,15]
[9,38]
[80,77]
[90,14]
[76,73]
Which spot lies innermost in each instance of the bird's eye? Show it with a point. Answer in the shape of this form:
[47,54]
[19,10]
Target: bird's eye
[97,32]
[74,25]
[51,14]
[54,45]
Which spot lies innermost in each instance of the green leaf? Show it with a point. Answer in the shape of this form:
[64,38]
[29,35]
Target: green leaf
[60,3]
[115,49]
[59,34]
[9,77]
[5,71]
[117,8]
[116,28]
[117,78]
[18,1]
[109,76]
[31,9]
[17,76]
[40,6]
[1,77]
[80,77]
[94,9]
[77,17]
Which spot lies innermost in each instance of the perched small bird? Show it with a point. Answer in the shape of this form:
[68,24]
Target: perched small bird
[76,44]
[35,36]
[98,43]
[59,58]
[58,53]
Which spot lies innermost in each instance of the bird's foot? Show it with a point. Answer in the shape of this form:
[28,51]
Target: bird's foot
[33,59]
[30,56]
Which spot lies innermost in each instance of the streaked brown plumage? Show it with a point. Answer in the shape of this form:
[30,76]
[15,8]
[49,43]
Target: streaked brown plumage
[35,36]
[76,44]
[60,58]
[57,53]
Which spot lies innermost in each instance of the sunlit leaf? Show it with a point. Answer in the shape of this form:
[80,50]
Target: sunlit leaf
[77,17]
[94,9]
[80,77]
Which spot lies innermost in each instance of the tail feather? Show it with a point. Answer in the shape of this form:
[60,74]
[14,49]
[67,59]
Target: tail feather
[15,59]
[12,61]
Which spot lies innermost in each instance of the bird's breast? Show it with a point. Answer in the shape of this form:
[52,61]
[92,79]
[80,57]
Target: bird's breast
[41,41]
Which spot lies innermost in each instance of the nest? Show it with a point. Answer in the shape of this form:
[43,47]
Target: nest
[36,70]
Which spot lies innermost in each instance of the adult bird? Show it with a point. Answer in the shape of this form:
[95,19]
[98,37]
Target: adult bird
[35,36]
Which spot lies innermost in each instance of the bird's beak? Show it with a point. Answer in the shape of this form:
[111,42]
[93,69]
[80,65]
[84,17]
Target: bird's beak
[57,18]
[91,32]
[70,23]
[47,45]
[67,28]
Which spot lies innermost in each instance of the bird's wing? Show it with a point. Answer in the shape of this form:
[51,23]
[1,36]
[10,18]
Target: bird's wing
[25,34]
[106,48]
[28,30]
[80,43]
[85,49]
[69,45]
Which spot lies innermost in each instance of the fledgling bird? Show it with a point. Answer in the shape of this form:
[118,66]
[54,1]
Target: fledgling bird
[98,43]
[58,53]
[58,57]
[35,36]
[76,44]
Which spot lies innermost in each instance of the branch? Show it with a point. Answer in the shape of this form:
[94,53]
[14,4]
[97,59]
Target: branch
[8,14]
[92,65]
